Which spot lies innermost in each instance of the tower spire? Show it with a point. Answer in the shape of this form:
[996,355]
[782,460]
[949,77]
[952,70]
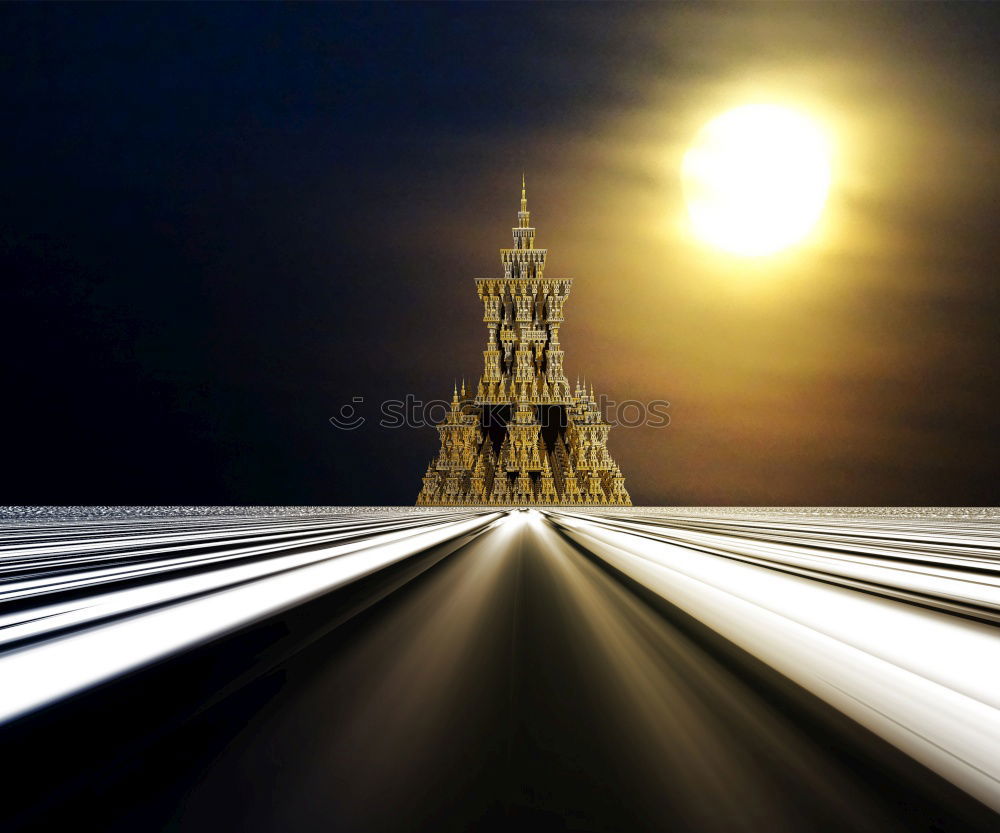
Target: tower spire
[524,216]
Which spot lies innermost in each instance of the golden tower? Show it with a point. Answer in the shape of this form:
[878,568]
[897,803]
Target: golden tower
[523,437]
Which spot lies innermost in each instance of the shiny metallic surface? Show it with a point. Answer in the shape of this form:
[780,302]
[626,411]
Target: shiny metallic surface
[491,669]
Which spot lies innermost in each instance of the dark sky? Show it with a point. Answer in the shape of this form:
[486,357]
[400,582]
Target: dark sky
[222,222]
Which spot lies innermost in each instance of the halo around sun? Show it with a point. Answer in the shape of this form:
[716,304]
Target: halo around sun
[756,179]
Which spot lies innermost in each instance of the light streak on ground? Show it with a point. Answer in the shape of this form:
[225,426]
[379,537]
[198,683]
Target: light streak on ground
[447,669]
[926,681]
[179,613]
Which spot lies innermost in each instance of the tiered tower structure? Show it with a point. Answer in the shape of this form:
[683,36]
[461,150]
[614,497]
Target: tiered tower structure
[523,437]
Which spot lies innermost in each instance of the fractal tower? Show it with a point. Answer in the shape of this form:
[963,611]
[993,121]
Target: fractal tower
[523,437]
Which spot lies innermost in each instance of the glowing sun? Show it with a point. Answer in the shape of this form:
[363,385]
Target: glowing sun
[755,179]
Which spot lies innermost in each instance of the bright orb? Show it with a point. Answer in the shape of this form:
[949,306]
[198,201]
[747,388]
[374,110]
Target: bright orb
[755,179]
